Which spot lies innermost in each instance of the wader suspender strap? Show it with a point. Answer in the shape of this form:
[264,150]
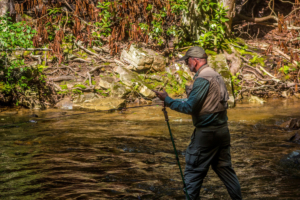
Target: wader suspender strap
[167,120]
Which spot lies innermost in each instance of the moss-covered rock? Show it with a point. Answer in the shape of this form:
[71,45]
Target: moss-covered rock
[132,79]
[219,63]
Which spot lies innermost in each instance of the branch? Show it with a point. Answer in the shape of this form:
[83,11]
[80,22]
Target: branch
[26,49]
[256,19]
[92,53]
[292,12]
[286,56]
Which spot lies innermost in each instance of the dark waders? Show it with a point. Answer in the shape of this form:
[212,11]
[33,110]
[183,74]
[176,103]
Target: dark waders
[167,120]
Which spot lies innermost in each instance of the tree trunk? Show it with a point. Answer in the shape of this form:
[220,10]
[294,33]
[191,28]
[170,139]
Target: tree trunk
[229,4]
[3,7]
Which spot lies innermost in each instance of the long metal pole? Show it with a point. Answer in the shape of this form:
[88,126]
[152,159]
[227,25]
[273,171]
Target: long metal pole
[167,120]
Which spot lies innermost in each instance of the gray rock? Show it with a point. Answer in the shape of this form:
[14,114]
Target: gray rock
[106,82]
[142,59]
[297,95]
[118,90]
[291,161]
[284,94]
[219,63]
[255,99]
[85,98]
[155,77]
[102,104]
[131,79]
[64,104]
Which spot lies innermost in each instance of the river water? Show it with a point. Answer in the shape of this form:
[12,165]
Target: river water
[129,155]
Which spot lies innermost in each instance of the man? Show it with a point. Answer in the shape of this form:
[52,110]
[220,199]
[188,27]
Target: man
[210,142]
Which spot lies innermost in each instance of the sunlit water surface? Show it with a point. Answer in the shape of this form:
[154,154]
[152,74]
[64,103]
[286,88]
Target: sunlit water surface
[130,156]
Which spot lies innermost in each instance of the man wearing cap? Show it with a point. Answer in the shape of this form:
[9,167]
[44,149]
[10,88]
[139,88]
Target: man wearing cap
[210,141]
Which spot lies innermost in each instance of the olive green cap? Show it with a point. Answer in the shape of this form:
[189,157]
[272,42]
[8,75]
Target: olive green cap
[195,52]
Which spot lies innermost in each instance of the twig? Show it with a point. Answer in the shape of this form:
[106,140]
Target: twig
[292,12]
[26,49]
[274,78]
[256,19]
[98,67]
[90,79]
[56,86]
[81,60]
[66,22]
[286,56]
[37,57]
[92,53]
[286,2]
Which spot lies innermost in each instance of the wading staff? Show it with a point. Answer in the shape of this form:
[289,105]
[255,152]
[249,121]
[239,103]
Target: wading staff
[167,120]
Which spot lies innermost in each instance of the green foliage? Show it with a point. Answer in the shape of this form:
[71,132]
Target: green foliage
[80,86]
[235,82]
[101,92]
[106,20]
[15,34]
[256,60]
[214,28]
[64,87]
[76,91]
[88,82]
[285,69]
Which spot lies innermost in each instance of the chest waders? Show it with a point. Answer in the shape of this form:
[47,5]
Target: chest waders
[167,120]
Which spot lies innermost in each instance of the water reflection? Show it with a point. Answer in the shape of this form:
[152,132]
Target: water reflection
[130,155]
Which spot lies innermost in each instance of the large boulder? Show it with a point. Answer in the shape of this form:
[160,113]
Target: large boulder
[142,59]
[219,63]
[131,79]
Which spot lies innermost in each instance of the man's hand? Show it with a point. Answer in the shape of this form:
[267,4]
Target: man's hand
[161,95]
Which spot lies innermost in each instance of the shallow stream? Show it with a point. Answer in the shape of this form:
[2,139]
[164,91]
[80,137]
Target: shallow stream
[129,155]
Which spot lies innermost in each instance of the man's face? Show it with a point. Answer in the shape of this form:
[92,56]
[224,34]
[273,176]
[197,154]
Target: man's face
[191,64]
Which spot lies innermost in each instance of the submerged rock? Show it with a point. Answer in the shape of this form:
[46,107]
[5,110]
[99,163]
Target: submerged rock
[295,138]
[291,160]
[293,123]
[142,59]
[255,99]
[219,63]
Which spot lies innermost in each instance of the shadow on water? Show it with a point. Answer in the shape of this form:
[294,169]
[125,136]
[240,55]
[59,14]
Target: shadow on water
[130,155]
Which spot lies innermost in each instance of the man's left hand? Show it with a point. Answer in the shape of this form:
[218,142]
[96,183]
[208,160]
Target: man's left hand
[161,95]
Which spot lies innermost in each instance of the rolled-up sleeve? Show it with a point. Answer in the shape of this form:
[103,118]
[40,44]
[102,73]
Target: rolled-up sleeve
[195,101]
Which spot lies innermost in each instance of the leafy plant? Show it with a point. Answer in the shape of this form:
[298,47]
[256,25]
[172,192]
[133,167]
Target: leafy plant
[285,69]
[15,34]
[213,31]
